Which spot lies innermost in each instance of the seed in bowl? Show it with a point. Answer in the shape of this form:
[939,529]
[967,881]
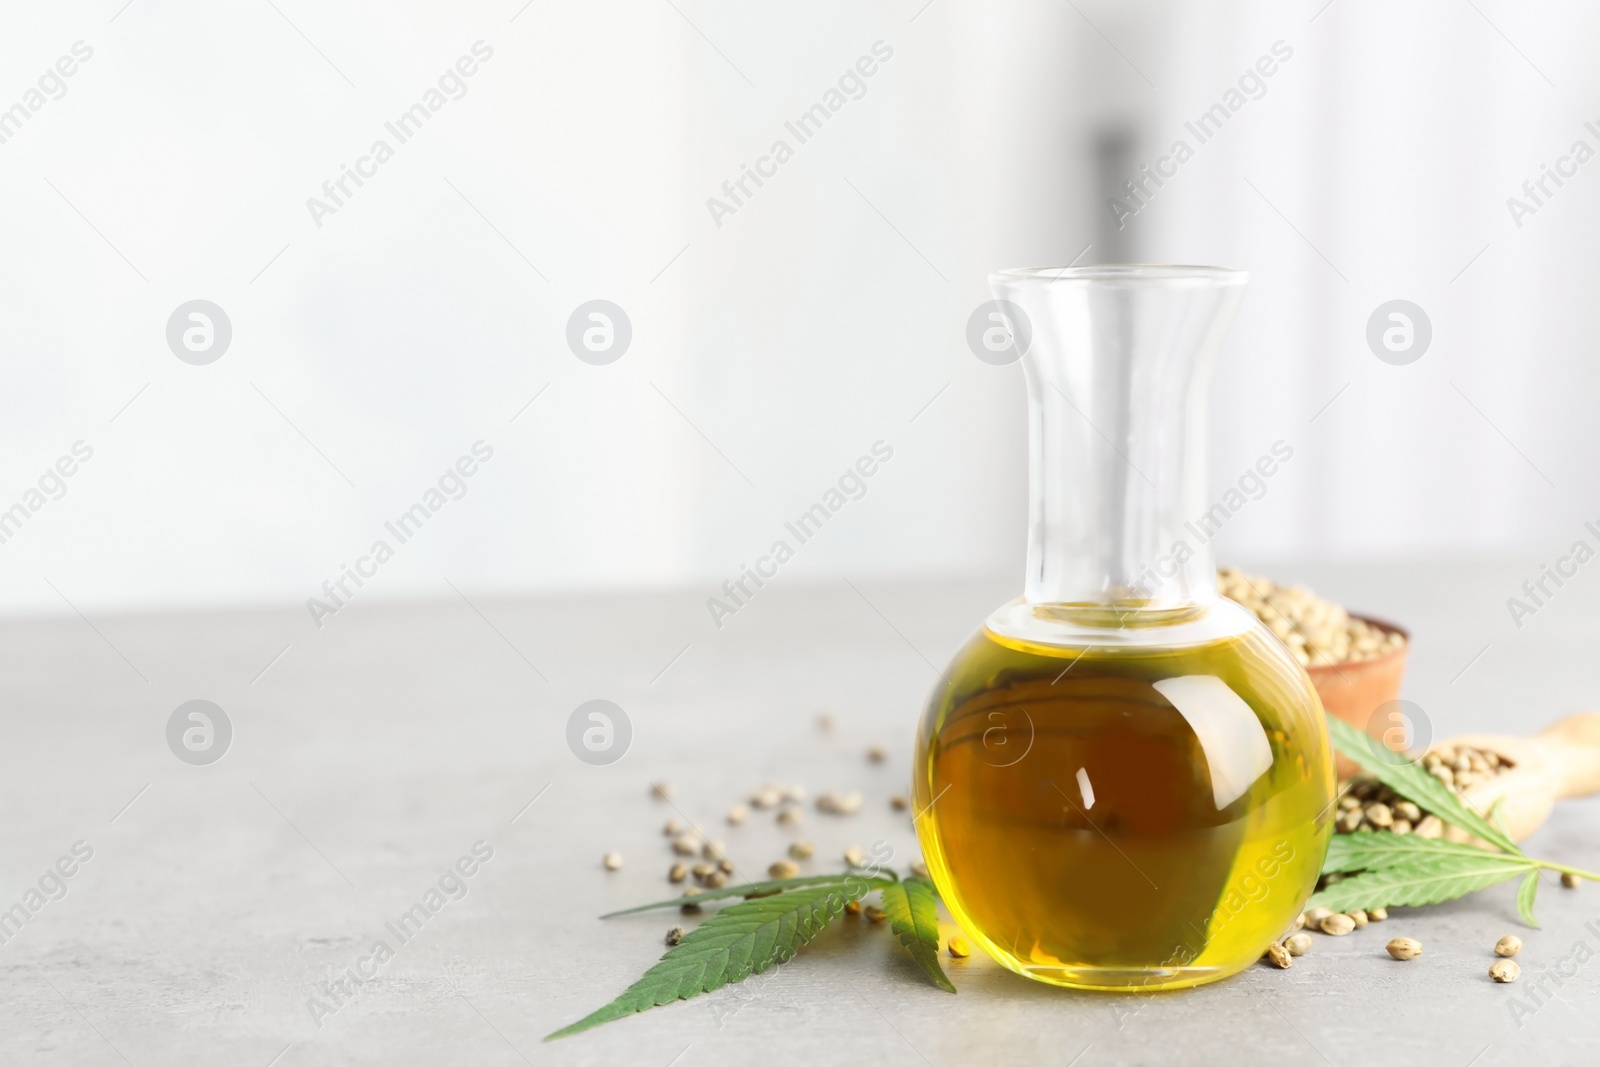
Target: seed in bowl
[1317,632]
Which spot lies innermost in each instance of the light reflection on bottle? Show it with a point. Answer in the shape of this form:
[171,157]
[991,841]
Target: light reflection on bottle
[1085,788]
[1236,747]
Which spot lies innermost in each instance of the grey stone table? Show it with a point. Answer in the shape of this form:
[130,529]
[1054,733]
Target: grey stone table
[218,903]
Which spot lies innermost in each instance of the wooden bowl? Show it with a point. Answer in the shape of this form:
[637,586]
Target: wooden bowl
[1353,691]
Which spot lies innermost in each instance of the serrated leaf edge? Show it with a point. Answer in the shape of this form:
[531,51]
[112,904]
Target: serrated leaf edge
[1371,852]
[1410,884]
[1415,784]
[913,918]
[810,910]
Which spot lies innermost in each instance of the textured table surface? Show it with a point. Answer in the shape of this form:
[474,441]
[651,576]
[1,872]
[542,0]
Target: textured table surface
[370,756]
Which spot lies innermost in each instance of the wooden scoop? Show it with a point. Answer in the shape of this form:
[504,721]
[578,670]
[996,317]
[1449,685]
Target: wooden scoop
[1561,762]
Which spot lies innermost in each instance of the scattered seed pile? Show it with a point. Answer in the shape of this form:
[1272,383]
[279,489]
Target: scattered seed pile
[1317,631]
[787,802]
[1367,805]
[1337,924]
[1282,953]
[787,805]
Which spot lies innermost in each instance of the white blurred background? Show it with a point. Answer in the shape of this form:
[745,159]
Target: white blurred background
[770,351]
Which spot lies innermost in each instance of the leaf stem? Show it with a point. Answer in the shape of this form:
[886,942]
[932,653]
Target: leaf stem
[1568,870]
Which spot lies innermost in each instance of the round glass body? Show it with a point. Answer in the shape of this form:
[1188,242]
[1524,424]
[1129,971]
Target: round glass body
[1134,817]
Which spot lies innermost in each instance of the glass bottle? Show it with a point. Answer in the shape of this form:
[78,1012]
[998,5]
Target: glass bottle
[1124,780]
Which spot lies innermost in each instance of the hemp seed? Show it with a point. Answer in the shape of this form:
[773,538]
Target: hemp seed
[802,850]
[716,880]
[714,850]
[791,816]
[1569,881]
[686,844]
[1280,956]
[958,948]
[700,870]
[1377,915]
[877,754]
[661,790]
[853,908]
[1315,916]
[1297,944]
[898,803]
[673,828]
[737,814]
[839,803]
[1336,924]
[766,797]
[1404,948]
[1358,917]
[612,861]
[875,914]
[674,935]
[677,873]
[1508,946]
[1504,970]
[854,857]
[782,869]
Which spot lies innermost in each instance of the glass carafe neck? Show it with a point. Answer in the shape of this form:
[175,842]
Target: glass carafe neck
[1118,367]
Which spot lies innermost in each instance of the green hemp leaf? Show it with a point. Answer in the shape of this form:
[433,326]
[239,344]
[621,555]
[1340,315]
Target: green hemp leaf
[1415,784]
[1384,870]
[738,941]
[756,889]
[913,916]
[1422,881]
[1525,894]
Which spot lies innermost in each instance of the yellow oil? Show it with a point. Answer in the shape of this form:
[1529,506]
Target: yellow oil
[1070,812]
